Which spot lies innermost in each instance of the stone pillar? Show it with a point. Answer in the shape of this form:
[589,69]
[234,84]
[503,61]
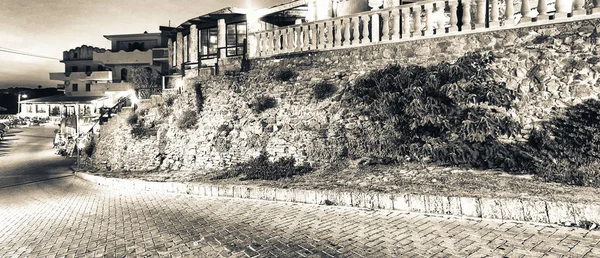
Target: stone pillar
[494,14]
[221,37]
[179,52]
[193,45]
[466,19]
[429,19]
[171,52]
[375,30]
[417,24]
[509,13]
[579,7]
[406,23]
[563,7]
[525,11]
[480,15]
[395,24]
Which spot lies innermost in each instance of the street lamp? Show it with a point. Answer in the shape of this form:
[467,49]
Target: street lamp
[19,96]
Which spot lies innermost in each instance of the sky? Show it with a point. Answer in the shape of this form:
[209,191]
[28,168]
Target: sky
[48,27]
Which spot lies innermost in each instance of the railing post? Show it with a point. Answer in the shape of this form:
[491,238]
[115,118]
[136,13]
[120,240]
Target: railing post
[480,16]
[365,32]
[395,24]
[453,15]
[305,37]
[337,26]
[268,44]
[429,19]
[579,7]
[284,39]
[314,33]
[347,25]
[439,10]
[321,35]
[466,19]
[563,7]
[509,13]
[525,11]
[406,23]
[417,24]
[355,31]
[375,32]
[494,14]
[385,30]
[278,42]
[329,33]
[297,38]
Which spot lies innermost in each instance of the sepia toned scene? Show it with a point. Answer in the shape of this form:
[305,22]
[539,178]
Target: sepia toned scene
[306,128]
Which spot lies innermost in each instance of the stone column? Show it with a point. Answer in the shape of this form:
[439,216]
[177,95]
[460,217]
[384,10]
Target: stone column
[525,11]
[375,30]
[578,7]
[542,9]
[466,19]
[179,52]
[222,37]
[453,16]
[171,52]
[480,15]
[429,19]
[563,7]
[494,14]
[193,45]
[509,13]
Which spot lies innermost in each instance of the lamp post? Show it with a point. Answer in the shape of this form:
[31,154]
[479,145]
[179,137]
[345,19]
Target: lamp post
[19,96]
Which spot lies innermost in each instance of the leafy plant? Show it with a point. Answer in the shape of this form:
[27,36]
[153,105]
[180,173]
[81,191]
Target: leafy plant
[283,74]
[262,103]
[323,90]
[133,119]
[262,169]
[187,120]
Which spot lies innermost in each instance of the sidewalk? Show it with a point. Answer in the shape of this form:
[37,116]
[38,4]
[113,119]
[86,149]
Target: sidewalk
[433,190]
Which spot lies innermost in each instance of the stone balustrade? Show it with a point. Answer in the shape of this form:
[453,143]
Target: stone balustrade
[413,21]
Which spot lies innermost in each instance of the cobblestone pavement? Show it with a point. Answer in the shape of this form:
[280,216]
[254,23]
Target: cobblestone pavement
[74,218]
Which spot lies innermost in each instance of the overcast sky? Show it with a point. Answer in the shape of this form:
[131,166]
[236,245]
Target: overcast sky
[49,27]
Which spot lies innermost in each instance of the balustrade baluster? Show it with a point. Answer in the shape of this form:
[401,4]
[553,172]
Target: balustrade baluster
[329,33]
[525,11]
[268,43]
[355,31]
[440,22]
[337,27]
[284,40]
[563,7]
[277,45]
[295,38]
[365,32]
[417,24]
[260,46]
[509,13]
[375,32]
[429,19]
[494,14]
[347,25]
[466,19]
[305,37]
[406,26]
[579,7]
[314,32]
[453,16]
[321,35]
[395,24]
[385,36]
[480,15]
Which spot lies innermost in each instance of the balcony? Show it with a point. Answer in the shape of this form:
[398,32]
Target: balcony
[122,57]
[82,76]
[118,86]
[160,54]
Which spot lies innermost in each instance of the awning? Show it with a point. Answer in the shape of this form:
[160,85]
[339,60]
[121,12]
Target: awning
[62,99]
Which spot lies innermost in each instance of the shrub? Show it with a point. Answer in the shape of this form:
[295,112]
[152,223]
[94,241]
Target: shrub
[90,148]
[323,90]
[263,169]
[142,131]
[187,120]
[170,100]
[132,119]
[262,103]
[283,74]
[540,39]
[55,111]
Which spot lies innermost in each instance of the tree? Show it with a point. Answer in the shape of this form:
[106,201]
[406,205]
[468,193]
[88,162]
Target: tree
[146,81]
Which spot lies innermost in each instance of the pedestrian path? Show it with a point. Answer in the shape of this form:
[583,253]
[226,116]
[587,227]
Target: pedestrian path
[74,218]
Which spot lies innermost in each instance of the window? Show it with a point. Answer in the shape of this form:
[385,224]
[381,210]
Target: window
[124,74]
[88,87]
[75,55]
[186,56]
[75,87]
[74,69]
[208,42]
[236,34]
[88,68]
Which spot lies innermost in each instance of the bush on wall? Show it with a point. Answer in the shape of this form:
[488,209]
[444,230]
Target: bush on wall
[188,120]
[283,74]
[262,103]
[263,169]
[323,90]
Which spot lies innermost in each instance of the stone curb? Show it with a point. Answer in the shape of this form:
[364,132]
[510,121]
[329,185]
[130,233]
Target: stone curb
[550,212]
